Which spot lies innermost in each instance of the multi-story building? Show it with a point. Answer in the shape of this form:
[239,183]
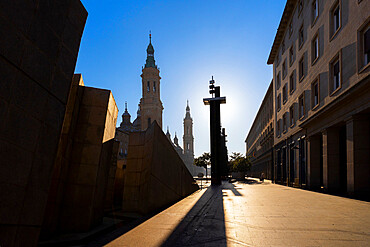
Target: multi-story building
[321,92]
[260,139]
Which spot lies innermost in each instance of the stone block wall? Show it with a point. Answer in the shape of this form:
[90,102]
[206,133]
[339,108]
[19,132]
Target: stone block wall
[61,167]
[39,43]
[155,175]
[90,163]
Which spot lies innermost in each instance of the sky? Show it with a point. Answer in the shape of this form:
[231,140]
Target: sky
[193,41]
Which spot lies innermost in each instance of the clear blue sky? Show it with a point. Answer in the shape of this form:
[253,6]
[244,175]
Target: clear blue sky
[193,40]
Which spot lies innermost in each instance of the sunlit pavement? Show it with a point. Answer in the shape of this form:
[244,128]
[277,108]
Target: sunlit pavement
[255,214]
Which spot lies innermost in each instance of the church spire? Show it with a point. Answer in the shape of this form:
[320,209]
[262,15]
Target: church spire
[150,62]
[187,116]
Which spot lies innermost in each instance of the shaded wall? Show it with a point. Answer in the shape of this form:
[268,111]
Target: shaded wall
[62,162]
[91,160]
[119,178]
[39,43]
[155,174]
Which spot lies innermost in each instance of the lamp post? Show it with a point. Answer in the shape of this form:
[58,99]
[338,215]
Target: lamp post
[215,126]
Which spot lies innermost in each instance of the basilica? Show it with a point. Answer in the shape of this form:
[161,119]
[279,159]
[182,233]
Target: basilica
[150,109]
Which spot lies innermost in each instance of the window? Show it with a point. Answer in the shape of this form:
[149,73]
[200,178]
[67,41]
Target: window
[278,103]
[149,122]
[290,28]
[278,81]
[335,78]
[291,83]
[278,130]
[315,93]
[282,47]
[148,87]
[301,36]
[300,6]
[187,130]
[301,108]
[284,69]
[291,55]
[277,60]
[284,123]
[285,94]
[315,11]
[154,87]
[301,68]
[187,146]
[315,48]
[335,19]
[364,44]
[291,116]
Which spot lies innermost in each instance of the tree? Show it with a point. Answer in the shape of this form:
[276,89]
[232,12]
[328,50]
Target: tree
[203,161]
[239,163]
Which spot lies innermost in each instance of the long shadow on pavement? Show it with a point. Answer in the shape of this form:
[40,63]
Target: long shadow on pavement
[204,224]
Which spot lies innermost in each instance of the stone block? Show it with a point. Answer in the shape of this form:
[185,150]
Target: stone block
[11,198]
[96,97]
[47,143]
[44,37]
[16,165]
[35,202]
[8,234]
[55,113]
[90,154]
[11,43]
[19,12]
[27,236]
[77,15]
[37,65]
[20,128]
[69,38]
[8,74]
[58,87]
[54,13]
[66,60]
[30,97]
[97,115]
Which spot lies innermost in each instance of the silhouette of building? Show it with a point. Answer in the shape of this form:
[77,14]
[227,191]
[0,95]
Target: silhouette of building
[260,139]
[187,151]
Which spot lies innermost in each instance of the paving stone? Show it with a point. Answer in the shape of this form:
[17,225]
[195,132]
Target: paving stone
[281,217]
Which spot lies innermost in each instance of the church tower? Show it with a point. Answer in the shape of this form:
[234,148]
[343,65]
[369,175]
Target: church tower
[150,104]
[188,138]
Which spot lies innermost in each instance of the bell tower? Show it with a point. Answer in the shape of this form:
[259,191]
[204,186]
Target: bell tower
[151,106]
[188,138]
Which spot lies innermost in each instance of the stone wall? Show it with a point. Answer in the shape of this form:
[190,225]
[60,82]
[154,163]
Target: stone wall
[155,174]
[39,43]
[86,158]
[62,162]
[91,161]
[119,179]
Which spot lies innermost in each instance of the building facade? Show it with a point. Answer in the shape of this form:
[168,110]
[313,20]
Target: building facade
[321,93]
[260,139]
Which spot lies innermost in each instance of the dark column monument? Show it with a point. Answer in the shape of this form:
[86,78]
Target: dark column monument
[215,122]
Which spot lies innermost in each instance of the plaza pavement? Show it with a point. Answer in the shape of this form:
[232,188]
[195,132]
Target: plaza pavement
[252,213]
